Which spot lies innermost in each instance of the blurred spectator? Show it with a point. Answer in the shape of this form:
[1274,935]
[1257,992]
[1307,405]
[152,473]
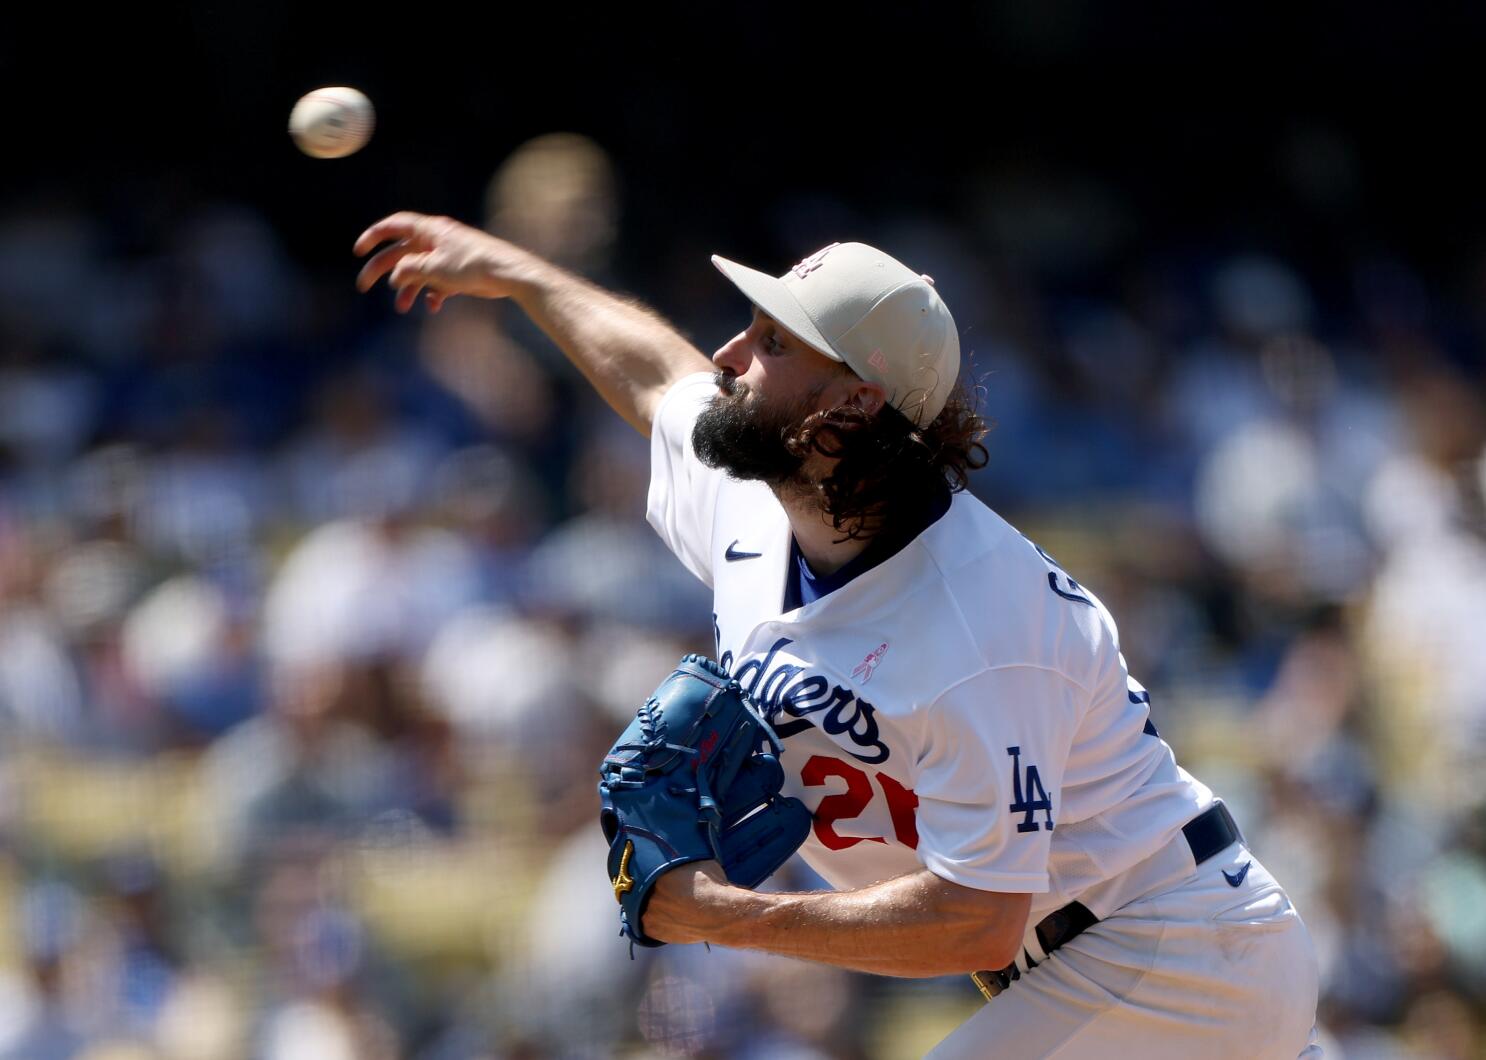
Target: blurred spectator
[44,1017]
[556,194]
[353,590]
[357,461]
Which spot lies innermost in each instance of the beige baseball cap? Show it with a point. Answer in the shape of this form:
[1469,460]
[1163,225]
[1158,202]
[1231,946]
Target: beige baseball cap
[856,304]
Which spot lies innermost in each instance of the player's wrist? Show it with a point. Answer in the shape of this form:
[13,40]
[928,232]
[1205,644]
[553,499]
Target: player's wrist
[692,903]
[523,277]
[724,911]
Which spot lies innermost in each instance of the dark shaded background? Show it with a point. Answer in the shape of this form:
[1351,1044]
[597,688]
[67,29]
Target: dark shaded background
[1195,118]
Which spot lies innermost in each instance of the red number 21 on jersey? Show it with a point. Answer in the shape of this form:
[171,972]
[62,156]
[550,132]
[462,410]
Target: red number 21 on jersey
[901,803]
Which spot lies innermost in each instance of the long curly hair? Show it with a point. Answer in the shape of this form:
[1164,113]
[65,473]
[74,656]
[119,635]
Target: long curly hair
[888,468]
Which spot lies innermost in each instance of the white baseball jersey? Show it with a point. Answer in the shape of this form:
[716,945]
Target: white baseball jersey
[962,706]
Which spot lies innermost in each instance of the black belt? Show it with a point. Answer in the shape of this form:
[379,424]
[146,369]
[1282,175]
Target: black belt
[1210,832]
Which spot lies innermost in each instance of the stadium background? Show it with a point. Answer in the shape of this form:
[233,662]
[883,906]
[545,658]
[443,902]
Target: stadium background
[314,619]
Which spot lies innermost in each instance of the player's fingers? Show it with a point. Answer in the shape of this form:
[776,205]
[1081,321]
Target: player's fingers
[410,268]
[435,301]
[410,277]
[381,263]
[397,226]
[407,297]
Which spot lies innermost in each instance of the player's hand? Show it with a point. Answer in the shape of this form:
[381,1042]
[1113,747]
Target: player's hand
[688,903]
[440,257]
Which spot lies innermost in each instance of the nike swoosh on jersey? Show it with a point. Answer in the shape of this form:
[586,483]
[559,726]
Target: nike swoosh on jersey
[1236,878]
[732,555]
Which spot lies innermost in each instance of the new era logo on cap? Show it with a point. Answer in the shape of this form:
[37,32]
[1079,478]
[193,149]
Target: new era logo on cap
[858,305]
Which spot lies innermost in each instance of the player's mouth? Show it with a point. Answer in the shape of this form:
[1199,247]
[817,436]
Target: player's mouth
[727,383]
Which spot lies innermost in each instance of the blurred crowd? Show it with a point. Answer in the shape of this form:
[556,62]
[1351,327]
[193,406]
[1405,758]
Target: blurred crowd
[315,620]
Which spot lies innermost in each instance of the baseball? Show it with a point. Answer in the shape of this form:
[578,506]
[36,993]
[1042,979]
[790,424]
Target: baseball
[332,122]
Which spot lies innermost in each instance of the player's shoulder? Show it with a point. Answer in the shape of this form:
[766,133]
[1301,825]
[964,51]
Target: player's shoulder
[1018,604]
[976,550]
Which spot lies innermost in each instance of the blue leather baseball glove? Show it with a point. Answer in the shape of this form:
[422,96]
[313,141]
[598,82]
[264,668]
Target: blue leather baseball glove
[694,776]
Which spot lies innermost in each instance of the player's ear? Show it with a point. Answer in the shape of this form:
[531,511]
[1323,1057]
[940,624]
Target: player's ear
[869,397]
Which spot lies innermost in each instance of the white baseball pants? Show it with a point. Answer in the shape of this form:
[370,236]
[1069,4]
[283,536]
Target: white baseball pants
[1202,969]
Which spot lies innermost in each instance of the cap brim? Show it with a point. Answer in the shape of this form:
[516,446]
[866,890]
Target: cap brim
[771,295]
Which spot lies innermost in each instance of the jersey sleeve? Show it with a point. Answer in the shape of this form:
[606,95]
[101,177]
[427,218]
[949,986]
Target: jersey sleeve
[683,491]
[988,776]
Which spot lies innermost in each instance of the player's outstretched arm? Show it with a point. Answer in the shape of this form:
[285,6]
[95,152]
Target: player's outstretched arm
[916,926]
[629,354]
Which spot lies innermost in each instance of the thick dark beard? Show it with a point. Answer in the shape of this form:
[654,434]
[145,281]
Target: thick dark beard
[746,438]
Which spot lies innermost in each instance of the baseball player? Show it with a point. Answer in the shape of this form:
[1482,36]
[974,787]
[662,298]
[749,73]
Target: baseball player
[989,794]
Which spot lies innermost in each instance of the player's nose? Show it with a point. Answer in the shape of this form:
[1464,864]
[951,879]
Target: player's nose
[734,355]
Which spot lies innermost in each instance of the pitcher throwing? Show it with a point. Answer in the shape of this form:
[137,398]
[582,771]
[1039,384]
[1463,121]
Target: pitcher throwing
[989,794]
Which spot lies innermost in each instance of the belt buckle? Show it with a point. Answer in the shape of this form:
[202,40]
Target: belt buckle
[992,983]
[987,986]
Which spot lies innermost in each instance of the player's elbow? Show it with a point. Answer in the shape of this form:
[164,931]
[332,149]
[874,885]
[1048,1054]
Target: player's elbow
[973,949]
[963,929]
[995,938]
[999,948]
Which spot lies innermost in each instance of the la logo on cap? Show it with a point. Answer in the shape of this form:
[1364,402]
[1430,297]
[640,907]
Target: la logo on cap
[813,262]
